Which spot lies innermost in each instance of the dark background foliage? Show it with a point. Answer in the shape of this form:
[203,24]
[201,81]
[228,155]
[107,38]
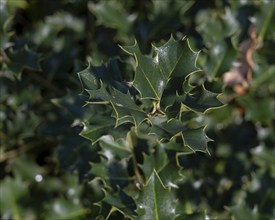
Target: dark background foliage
[45,163]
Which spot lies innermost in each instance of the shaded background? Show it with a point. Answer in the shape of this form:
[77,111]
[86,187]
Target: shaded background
[45,163]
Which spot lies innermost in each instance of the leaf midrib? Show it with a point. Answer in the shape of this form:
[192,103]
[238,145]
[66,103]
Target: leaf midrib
[149,83]
[155,200]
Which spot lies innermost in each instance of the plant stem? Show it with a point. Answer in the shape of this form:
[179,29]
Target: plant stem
[135,164]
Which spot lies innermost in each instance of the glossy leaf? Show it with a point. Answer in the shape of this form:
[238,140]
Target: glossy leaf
[200,99]
[156,201]
[121,202]
[173,59]
[196,139]
[97,127]
[112,171]
[123,104]
[140,102]
[118,149]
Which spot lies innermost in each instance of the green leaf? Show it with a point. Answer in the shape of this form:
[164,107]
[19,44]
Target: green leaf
[88,79]
[173,59]
[214,29]
[12,191]
[97,127]
[154,101]
[196,139]
[104,86]
[261,110]
[121,201]
[23,58]
[242,211]
[166,167]
[200,99]
[156,201]
[118,149]
[155,161]
[112,14]
[112,171]
[109,74]
[65,210]
[123,104]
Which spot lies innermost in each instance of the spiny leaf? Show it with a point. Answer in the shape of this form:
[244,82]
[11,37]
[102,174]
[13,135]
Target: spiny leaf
[100,125]
[104,86]
[156,201]
[123,104]
[87,79]
[166,129]
[173,59]
[200,99]
[153,101]
[112,171]
[108,74]
[121,201]
[97,127]
[166,167]
[196,139]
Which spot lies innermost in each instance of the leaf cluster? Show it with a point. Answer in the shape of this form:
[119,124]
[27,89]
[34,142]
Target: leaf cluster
[132,145]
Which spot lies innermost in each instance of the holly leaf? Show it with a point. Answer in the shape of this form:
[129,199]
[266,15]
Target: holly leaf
[113,14]
[156,201]
[21,59]
[154,100]
[104,86]
[112,171]
[166,167]
[120,201]
[200,99]
[123,105]
[196,139]
[97,127]
[173,59]
[119,149]
[157,160]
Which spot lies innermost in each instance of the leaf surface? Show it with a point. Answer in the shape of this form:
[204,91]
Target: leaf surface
[200,99]
[173,59]
[23,58]
[156,201]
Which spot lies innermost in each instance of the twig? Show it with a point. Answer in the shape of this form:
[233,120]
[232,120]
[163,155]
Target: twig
[14,153]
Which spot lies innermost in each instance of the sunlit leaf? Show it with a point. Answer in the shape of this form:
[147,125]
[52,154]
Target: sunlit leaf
[173,59]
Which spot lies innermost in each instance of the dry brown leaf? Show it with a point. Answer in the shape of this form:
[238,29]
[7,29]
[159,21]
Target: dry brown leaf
[239,77]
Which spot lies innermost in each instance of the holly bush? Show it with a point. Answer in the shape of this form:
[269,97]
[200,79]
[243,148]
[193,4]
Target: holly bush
[123,109]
